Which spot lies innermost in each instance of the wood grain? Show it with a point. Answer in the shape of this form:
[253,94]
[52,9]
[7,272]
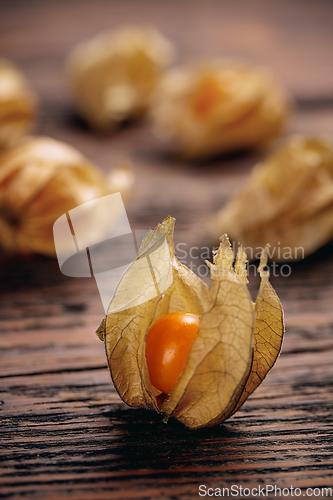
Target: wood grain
[64,432]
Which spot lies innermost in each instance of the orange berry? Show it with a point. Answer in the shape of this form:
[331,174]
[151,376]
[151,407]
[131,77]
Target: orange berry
[207,96]
[168,343]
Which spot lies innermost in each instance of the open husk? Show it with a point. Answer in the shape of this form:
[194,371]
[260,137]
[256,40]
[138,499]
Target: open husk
[41,179]
[287,201]
[236,345]
[217,107]
[18,104]
[113,74]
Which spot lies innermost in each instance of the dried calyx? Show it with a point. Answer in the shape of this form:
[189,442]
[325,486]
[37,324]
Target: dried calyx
[113,74]
[18,104]
[236,344]
[218,107]
[287,202]
[40,179]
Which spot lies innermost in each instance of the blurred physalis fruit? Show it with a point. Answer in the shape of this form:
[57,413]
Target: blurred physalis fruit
[41,179]
[18,104]
[113,74]
[230,346]
[218,107]
[287,201]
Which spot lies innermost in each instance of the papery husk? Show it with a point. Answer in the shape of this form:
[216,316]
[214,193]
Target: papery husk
[286,201]
[18,104]
[113,74]
[216,107]
[41,179]
[236,344]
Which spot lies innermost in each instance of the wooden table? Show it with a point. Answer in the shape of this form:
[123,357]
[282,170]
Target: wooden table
[64,431]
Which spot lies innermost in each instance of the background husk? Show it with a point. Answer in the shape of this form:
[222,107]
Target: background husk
[217,106]
[41,179]
[18,104]
[113,74]
[287,201]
